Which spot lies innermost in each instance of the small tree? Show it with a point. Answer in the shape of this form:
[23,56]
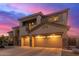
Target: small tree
[3,40]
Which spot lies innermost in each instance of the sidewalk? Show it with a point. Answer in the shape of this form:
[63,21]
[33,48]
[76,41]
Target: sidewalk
[69,53]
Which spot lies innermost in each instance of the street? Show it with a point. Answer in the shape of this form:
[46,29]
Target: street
[29,51]
[36,51]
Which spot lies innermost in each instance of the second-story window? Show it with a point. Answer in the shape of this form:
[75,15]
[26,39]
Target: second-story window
[31,24]
[31,21]
[24,23]
[54,18]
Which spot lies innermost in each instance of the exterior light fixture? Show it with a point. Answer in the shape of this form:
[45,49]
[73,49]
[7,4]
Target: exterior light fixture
[54,35]
[56,18]
[40,36]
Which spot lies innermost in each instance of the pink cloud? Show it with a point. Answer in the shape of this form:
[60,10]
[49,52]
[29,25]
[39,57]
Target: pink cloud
[31,8]
[4,27]
[5,17]
[3,33]
[34,9]
[73,31]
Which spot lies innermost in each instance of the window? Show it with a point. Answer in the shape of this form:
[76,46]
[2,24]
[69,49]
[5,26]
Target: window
[24,23]
[31,21]
[54,18]
[31,25]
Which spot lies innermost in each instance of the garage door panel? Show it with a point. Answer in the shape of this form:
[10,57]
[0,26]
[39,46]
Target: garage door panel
[55,42]
[40,41]
[25,41]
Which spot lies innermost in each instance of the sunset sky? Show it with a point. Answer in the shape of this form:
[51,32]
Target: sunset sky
[10,13]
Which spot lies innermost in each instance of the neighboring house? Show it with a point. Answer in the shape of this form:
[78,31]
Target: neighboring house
[14,35]
[11,38]
[38,30]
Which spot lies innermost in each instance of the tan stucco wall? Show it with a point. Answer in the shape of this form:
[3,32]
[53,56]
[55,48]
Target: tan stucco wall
[49,29]
[23,30]
[63,19]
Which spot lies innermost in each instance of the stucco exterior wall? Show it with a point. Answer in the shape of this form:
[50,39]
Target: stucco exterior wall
[48,29]
[63,19]
[23,30]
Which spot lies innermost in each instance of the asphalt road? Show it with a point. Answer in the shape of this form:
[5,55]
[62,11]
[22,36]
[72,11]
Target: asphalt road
[28,51]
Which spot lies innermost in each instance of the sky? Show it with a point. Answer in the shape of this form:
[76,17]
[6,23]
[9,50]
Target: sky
[11,12]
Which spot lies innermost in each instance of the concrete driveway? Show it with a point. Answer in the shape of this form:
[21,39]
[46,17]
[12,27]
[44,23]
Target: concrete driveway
[29,51]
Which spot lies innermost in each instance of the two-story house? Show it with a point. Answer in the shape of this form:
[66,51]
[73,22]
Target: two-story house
[38,30]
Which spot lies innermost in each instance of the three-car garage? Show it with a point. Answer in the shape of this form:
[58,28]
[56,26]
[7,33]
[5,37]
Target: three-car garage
[53,41]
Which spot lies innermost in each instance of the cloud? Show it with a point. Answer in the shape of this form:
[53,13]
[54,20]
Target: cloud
[73,31]
[10,13]
[4,27]
[16,13]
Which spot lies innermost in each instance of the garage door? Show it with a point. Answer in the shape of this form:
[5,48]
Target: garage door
[25,41]
[39,41]
[54,41]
